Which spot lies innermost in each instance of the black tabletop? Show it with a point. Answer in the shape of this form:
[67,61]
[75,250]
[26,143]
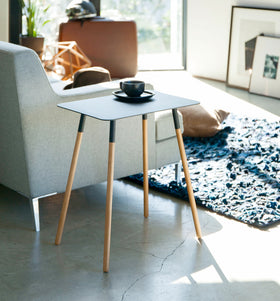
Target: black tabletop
[112,108]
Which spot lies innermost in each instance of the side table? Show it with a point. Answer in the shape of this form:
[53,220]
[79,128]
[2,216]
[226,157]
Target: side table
[109,108]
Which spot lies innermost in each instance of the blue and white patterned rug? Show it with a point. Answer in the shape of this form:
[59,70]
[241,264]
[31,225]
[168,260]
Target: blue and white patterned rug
[235,173]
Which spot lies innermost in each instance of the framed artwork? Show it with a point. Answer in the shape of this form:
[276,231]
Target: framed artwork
[265,79]
[246,24]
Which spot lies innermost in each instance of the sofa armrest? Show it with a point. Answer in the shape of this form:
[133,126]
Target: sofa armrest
[165,125]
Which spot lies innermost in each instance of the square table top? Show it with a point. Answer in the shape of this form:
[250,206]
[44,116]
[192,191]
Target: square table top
[111,108]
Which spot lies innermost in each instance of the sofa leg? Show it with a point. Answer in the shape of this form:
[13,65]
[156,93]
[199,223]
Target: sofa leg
[178,169]
[34,204]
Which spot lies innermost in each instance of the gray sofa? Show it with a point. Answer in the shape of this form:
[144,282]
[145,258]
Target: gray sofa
[37,138]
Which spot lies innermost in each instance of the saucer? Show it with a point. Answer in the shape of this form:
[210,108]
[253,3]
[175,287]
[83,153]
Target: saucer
[144,96]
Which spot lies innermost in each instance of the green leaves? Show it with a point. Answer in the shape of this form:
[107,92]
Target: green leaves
[34,14]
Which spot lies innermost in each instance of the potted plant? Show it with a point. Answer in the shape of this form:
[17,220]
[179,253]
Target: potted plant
[34,13]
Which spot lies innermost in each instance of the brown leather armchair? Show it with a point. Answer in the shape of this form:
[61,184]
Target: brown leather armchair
[108,44]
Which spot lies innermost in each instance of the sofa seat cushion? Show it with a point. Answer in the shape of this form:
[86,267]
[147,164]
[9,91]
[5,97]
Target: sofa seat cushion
[58,85]
[165,125]
[52,79]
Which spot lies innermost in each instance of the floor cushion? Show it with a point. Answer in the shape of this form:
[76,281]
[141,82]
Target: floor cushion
[202,121]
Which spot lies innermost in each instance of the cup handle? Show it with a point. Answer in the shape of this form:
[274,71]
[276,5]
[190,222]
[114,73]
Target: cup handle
[121,85]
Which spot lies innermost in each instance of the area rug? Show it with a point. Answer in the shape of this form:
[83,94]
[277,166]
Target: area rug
[235,173]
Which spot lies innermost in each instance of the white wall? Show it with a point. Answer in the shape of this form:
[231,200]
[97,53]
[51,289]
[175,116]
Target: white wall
[208,29]
[4,20]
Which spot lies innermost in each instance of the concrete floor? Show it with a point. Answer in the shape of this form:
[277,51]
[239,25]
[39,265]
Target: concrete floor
[157,258]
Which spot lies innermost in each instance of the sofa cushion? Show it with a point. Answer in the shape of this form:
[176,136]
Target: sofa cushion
[201,121]
[165,125]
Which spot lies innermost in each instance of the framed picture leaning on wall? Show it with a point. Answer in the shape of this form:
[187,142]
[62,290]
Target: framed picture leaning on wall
[246,24]
[265,79]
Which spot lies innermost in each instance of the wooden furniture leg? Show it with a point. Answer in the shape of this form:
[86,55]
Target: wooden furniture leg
[145,165]
[70,180]
[186,172]
[109,198]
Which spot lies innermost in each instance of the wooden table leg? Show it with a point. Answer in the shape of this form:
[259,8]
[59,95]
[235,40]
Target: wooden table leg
[109,197]
[145,165]
[186,172]
[70,180]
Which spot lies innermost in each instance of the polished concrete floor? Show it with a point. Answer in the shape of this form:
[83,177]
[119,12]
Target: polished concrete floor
[158,258]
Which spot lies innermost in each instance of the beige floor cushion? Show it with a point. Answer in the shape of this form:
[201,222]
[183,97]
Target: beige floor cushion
[200,121]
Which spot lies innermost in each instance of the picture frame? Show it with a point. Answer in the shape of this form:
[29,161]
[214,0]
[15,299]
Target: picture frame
[246,24]
[265,79]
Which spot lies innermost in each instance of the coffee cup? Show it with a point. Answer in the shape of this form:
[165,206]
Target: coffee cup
[132,88]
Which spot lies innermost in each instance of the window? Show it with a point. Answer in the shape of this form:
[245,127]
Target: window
[160,30]
[56,14]
[159,25]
